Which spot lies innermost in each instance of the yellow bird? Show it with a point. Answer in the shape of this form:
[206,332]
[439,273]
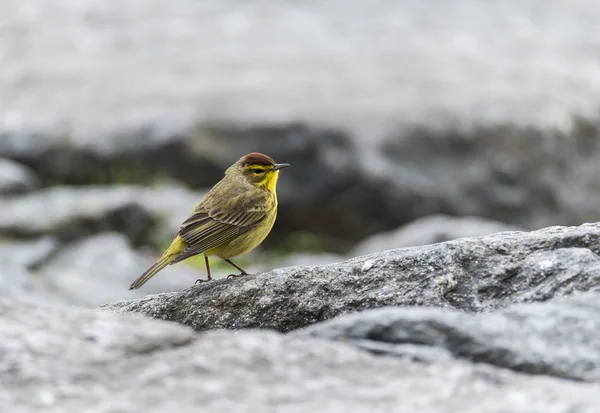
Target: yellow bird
[232,219]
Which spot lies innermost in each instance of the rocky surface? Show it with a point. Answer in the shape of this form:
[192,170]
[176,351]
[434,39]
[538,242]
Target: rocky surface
[114,108]
[17,260]
[101,268]
[319,60]
[379,132]
[133,364]
[70,212]
[88,272]
[16,178]
[472,274]
[555,338]
[430,230]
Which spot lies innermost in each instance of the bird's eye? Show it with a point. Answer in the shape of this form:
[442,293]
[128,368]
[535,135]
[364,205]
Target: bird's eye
[257,171]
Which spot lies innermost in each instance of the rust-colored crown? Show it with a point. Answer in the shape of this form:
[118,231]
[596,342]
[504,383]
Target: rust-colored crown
[256,158]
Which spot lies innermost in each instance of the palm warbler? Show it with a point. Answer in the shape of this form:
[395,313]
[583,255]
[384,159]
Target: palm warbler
[233,218]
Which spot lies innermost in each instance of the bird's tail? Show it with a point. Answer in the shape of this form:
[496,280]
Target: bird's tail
[151,272]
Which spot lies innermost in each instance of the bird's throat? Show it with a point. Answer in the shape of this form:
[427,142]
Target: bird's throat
[270,182]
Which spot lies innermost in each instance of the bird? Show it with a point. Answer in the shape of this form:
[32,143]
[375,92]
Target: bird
[232,219]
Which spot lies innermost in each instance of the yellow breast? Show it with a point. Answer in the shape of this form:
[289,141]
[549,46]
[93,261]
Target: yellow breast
[250,239]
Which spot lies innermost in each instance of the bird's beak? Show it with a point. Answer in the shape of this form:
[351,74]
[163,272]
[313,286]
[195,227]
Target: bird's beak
[279,166]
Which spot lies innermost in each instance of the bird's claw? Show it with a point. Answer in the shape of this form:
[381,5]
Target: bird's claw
[237,275]
[200,281]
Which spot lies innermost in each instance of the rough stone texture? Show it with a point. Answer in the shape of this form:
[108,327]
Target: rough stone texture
[66,360]
[473,274]
[430,230]
[16,178]
[457,120]
[557,338]
[69,212]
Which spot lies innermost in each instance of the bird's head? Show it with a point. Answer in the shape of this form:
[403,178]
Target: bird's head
[260,170]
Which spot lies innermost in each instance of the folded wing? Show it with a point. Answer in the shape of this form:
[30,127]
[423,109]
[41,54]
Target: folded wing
[210,227]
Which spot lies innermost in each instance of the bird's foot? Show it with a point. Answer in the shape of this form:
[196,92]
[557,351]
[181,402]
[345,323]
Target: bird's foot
[200,281]
[237,275]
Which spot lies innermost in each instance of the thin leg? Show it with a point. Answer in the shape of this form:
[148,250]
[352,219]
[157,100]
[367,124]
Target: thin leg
[207,271]
[242,271]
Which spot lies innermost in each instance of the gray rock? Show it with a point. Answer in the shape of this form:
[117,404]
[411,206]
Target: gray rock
[299,258]
[100,269]
[89,272]
[65,360]
[545,179]
[16,178]
[16,282]
[472,274]
[200,73]
[18,259]
[557,338]
[171,204]
[457,121]
[27,254]
[430,230]
[73,212]
[69,213]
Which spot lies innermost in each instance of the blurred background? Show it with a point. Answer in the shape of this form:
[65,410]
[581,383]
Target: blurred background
[406,123]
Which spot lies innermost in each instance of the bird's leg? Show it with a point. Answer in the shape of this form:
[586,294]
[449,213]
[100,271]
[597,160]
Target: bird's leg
[207,271]
[242,271]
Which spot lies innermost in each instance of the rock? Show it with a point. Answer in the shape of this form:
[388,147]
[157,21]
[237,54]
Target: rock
[555,338]
[27,254]
[91,271]
[69,212]
[101,268]
[133,364]
[471,274]
[547,179]
[452,122]
[171,204]
[430,230]
[17,262]
[299,258]
[16,178]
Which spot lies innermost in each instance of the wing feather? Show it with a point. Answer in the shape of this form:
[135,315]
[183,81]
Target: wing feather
[210,227]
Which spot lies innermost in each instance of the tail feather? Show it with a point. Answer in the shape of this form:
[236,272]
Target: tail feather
[151,272]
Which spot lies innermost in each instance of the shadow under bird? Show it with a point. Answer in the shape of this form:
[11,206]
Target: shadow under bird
[232,219]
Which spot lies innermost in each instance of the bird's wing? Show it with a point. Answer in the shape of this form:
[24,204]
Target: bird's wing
[209,227]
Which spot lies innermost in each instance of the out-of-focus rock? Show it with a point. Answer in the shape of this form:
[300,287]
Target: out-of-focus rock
[89,272]
[27,254]
[470,274]
[17,261]
[430,230]
[101,268]
[458,121]
[557,338]
[71,212]
[68,360]
[16,178]
[171,204]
